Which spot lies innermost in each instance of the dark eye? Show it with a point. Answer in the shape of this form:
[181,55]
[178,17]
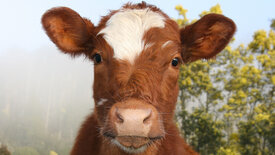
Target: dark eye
[175,62]
[97,58]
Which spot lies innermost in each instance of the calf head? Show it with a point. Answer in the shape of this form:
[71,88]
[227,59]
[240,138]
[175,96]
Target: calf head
[137,52]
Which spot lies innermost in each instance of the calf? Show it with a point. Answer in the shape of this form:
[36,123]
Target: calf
[137,52]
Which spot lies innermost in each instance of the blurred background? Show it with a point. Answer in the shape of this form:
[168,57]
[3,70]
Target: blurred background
[226,106]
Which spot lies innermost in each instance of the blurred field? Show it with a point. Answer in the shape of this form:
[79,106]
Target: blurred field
[44,95]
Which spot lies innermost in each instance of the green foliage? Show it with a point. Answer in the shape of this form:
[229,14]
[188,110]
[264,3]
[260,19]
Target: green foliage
[53,153]
[202,131]
[4,150]
[232,98]
[228,151]
[183,20]
[182,13]
[273,24]
[215,9]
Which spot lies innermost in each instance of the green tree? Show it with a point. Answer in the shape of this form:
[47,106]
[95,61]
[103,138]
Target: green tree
[273,24]
[201,128]
[250,94]
[232,97]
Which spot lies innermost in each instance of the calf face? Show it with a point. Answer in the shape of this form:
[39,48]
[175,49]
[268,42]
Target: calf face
[137,52]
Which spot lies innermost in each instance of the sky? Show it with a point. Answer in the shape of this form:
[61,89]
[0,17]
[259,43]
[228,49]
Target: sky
[21,27]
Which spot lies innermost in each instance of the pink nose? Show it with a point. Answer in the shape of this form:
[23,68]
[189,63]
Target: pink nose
[134,123]
[137,116]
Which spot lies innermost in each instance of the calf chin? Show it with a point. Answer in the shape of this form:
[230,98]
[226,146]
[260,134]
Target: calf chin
[132,144]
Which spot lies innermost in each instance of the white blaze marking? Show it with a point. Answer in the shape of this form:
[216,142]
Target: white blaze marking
[101,101]
[125,29]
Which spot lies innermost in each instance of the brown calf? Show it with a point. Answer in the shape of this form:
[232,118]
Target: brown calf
[137,52]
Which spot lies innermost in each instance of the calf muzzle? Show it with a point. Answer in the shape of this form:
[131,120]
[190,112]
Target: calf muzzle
[133,124]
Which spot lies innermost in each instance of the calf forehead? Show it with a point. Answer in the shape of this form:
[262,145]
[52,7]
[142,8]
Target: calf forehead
[124,31]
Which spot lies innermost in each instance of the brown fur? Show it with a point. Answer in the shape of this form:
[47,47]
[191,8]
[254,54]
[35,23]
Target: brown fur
[150,79]
[207,37]
[68,30]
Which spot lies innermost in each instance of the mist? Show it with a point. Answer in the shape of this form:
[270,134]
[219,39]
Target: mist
[44,97]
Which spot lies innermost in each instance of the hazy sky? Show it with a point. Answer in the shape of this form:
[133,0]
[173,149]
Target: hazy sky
[21,27]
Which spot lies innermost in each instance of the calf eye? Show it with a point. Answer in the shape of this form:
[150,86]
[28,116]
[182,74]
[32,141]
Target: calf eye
[175,62]
[97,58]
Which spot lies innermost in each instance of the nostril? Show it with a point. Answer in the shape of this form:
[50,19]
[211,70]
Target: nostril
[109,135]
[147,118]
[119,117]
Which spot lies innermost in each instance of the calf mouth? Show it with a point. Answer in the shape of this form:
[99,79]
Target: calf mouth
[132,144]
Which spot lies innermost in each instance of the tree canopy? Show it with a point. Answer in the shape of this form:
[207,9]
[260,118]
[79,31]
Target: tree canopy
[226,105]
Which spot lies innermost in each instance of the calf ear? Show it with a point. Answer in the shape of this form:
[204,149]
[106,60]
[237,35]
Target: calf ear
[206,37]
[68,30]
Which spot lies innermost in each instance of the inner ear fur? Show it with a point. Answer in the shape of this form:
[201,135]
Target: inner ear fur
[68,30]
[206,37]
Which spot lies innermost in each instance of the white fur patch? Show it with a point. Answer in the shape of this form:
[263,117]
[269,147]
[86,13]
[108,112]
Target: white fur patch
[148,45]
[129,149]
[166,43]
[101,101]
[125,29]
